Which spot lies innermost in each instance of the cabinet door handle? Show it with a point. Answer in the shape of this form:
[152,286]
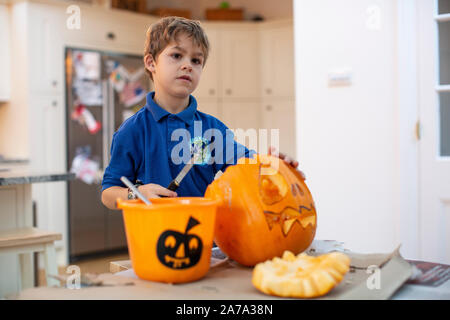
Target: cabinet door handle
[228,91]
[268,91]
[269,108]
[54,83]
[212,92]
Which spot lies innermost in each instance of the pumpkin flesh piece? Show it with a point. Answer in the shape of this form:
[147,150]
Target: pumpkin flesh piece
[301,277]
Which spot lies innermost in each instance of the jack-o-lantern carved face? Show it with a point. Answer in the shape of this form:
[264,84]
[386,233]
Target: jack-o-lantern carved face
[282,203]
[266,208]
[178,250]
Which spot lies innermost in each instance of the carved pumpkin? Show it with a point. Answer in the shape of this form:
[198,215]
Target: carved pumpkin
[301,276]
[266,208]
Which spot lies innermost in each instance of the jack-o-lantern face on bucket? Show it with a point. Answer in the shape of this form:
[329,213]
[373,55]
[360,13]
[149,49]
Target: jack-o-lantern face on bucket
[178,250]
[266,208]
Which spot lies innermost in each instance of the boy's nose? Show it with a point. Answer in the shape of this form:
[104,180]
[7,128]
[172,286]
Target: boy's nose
[187,66]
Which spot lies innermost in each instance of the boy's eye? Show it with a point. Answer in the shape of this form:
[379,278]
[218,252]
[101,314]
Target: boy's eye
[197,61]
[176,55]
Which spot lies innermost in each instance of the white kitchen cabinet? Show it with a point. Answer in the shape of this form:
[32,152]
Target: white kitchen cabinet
[240,62]
[245,117]
[210,81]
[251,63]
[44,25]
[110,30]
[209,106]
[232,69]
[279,114]
[277,59]
[230,85]
[115,31]
[5,47]
[47,146]
[241,114]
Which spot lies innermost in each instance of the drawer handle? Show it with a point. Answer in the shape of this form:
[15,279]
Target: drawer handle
[228,91]
[268,91]
[269,108]
[212,91]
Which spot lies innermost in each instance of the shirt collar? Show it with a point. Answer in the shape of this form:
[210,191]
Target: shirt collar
[187,115]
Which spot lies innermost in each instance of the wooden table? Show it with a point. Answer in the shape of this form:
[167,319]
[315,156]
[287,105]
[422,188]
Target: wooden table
[229,280]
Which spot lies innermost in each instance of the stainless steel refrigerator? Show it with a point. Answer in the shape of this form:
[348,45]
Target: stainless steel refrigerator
[102,90]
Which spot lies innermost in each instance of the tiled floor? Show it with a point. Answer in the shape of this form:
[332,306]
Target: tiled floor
[94,265]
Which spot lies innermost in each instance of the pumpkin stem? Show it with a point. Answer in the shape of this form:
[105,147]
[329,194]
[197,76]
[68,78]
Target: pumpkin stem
[191,223]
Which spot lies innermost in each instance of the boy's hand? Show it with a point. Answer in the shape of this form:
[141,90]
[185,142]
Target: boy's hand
[293,163]
[152,190]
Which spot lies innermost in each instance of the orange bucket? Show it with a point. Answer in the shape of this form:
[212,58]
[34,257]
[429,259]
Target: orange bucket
[171,239]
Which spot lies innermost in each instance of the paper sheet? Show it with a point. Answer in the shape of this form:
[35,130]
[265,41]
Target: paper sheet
[230,281]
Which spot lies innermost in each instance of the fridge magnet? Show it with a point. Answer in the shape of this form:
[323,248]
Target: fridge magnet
[84,168]
[118,76]
[87,65]
[136,75]
[85,118]
[110,65]
[88,92]
[132,94]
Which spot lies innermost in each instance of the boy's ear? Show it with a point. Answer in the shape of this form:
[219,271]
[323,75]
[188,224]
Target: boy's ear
[149,63]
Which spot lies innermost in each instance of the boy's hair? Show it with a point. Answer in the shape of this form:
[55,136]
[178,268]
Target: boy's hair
[167,29]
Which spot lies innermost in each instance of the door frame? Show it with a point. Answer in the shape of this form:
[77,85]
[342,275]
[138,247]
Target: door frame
[408,216]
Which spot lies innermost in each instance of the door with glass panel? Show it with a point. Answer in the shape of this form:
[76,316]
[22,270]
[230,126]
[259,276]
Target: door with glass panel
[434,110]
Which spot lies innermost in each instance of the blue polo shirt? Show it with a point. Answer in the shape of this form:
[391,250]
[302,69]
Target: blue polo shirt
[153,146]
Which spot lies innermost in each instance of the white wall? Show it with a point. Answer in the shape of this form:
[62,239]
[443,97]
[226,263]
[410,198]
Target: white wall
[352,141]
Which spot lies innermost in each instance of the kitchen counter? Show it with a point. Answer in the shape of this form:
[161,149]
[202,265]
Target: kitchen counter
[13,161]
[16,176]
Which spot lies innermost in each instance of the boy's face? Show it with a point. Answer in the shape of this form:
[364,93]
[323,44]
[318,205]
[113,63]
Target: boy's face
[178,67]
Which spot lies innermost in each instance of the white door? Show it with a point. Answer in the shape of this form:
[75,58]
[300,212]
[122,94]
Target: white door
[434,105]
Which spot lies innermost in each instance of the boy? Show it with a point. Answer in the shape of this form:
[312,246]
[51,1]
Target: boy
[147,145]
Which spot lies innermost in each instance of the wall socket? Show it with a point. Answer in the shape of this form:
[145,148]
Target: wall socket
[340,77]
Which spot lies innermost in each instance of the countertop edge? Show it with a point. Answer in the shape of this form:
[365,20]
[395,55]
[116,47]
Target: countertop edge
[36,178]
